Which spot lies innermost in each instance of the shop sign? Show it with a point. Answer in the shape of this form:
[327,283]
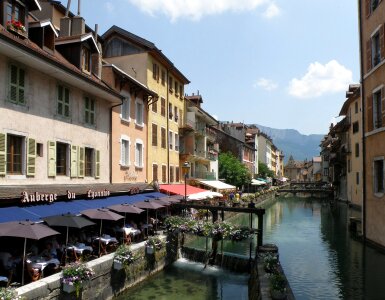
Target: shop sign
[37,197]
[96,194]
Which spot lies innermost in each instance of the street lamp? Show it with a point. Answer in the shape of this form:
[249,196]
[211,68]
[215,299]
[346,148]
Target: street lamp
[185,168]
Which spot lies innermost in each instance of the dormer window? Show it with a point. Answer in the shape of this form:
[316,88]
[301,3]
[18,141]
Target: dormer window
[86,59]
[15,17]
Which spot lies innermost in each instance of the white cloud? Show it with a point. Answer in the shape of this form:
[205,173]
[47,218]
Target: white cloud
[321,79]
[266,84]
[272,11]
[196,9]
[109,6]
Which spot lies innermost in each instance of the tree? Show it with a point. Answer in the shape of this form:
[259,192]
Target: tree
[232,170]
[264,171]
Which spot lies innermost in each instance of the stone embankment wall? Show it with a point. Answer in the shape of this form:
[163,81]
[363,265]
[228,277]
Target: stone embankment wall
[107,282]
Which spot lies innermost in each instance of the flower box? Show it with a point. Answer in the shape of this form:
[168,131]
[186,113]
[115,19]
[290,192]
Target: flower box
[118,265]
[68,288]
[150,249]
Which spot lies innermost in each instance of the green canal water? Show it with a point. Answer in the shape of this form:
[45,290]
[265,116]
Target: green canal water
[319,256]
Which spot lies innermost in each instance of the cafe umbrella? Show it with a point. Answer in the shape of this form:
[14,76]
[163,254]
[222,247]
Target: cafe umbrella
[27,230]
[101,214]
[147,204]
[126,209]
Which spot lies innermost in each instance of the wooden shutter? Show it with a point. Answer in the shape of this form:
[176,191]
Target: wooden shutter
[81,164]
[367,8]
[21,98]
[369,114]
[51,159]
[383,106]
[13,83]
[74,161]
[97,164]
[382,42]
[3,154]
[368,55]
[31,157]
[154,135]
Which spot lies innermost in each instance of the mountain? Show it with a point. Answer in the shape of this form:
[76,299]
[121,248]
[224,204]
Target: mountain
[291,142]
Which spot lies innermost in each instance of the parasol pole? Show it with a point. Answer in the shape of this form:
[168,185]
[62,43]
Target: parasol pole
[124,229]
[100,234]
[147,224]
[25,249]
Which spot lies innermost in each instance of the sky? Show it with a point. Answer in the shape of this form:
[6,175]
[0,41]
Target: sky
[279,63]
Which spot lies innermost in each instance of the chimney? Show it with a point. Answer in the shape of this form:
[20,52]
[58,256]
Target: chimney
[78,26]
[96,57]
[65,26]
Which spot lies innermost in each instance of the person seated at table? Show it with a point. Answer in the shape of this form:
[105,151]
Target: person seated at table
[32,273]
[33,249]
[72,239]
[126,237]
[49,252]
[82,236]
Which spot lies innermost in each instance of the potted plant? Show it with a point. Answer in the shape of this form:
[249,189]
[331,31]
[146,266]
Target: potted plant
[9,294]
[16,26]
[123,256]
[278,286]
[74,275]
[153,244]
[270,263]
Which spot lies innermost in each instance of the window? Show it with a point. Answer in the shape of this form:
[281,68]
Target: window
[89,162]
[377,110]
[170,111]
[349,166]
[357,150]
[356,107]
[15,12]
[176,142]
[154,106]
[326,172]
[63,101]
[17,85]
[61,158]
[125,152]
[139,154]
[139,107]
[14,154]
[379,176]
[170,139]
[176,114]
[373,5]
[125,112]
[176,87]
[355,127]
[89,111]
[181,91]
[163,137]
[177,174]
[171,174]
[357,178]
[39,149]
[163,78]
[154,172]
[86,57]
[170,81]
[164,171]
[154,135]
[163,107]
[376,49]
[155,71]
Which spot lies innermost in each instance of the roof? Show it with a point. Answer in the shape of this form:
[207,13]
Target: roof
[78,39]
[219,185]
[352,94]
[43,23]
[149,46]
[179,189]
[55,59]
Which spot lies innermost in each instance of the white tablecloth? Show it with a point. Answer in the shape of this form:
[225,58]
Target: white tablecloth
[106,241]
[39,262]
[79,248]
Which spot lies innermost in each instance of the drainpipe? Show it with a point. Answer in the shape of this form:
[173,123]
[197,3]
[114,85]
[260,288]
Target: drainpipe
[362,125]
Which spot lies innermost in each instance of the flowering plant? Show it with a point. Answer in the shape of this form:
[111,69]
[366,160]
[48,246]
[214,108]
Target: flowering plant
[9,294]
[124,255]
[154,242]
[270,262]
[16,25]
[278,282]
[75,274]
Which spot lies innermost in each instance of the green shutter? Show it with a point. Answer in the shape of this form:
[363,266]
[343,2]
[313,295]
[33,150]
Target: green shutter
[31,157]
[74,161]
[13,83]
[51,159]
[97,164]
[81,166]
[21,99]
[3,154]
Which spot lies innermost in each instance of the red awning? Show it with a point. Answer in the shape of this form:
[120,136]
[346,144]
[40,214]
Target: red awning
[178,189]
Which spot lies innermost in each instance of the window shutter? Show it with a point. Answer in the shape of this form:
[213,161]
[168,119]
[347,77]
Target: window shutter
[367,8]
[74,161]
[383,106]
[81,165]
[368,55]
[97,164]
[21,99]
[12,83]
[51,159]
[382,42]
[31,157]
[369,101]
[3,153]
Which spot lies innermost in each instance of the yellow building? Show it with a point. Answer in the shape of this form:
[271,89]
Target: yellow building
[142,60]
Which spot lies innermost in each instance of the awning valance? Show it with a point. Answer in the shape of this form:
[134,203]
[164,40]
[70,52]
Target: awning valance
[218,185]
[179,189]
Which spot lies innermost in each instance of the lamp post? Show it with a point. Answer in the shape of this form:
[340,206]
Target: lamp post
[185,168]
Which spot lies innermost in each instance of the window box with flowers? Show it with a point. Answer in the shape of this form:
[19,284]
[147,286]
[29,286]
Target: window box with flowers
[74,276]
[17,27]
[9,293]
[153,244]
[123,257]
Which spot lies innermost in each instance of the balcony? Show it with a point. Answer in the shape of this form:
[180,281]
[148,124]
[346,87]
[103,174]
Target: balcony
[204,175]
